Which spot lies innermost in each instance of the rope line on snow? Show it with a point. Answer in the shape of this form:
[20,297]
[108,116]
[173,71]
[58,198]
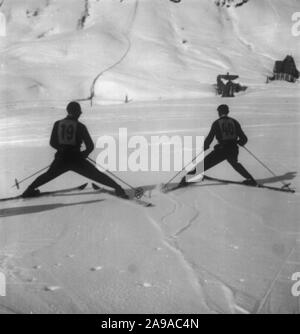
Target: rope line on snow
[92,89]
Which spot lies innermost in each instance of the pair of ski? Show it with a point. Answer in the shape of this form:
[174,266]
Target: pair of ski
[132,196]
[96,188]
[172,187]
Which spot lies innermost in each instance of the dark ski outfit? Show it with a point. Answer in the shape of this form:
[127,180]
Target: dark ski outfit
[67,137]
[229,135]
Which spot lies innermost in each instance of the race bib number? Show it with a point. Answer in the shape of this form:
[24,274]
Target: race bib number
[67,132]
[228,130]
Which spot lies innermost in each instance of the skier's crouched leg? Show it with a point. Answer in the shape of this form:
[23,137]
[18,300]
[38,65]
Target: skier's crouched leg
[214,158]
[233,160]
[232,155]
[56,169]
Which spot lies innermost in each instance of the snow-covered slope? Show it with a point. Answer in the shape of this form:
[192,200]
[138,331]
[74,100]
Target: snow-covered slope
[207,248]
[140,48]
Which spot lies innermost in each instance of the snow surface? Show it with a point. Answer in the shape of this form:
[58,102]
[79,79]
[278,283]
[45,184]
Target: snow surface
[210,248]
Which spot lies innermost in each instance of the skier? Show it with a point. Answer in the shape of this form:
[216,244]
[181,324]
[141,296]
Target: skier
[67,137]
[229,135]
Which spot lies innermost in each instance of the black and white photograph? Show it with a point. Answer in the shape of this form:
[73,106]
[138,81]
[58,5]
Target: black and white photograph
[149,159]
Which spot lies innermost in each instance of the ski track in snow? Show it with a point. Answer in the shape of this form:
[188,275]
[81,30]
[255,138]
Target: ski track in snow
[242,39]
[190,221]
[174,210]
[170,240]
[128,41]
[194,210]
[273,282]
[275,12]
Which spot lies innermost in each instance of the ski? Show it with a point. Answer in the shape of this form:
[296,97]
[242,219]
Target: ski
[45,193]
[174,186]
[287,190]
[131,198]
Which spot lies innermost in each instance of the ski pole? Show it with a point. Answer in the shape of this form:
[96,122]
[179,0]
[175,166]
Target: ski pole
[183,168]
[265,166]
[138,192]
[17,183]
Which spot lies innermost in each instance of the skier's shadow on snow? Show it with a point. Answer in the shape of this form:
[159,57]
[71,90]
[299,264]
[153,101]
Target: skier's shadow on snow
[25,210]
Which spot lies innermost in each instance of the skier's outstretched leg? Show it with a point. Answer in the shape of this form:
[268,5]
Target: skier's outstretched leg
[233,160]
[211,160]
[87,169]
[55,170]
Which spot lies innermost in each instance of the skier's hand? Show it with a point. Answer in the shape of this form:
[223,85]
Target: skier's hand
[241,142]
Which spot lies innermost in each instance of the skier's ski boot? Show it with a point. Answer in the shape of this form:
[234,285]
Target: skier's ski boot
[250,182]
[182,183]
[28,193]
[120,192]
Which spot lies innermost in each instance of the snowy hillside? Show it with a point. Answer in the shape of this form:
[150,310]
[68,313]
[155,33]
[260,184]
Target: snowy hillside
[207,248]
[140,48]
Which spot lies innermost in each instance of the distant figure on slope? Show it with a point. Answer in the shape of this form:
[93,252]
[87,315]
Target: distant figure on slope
[228,90]
[229,135]
[67,137]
